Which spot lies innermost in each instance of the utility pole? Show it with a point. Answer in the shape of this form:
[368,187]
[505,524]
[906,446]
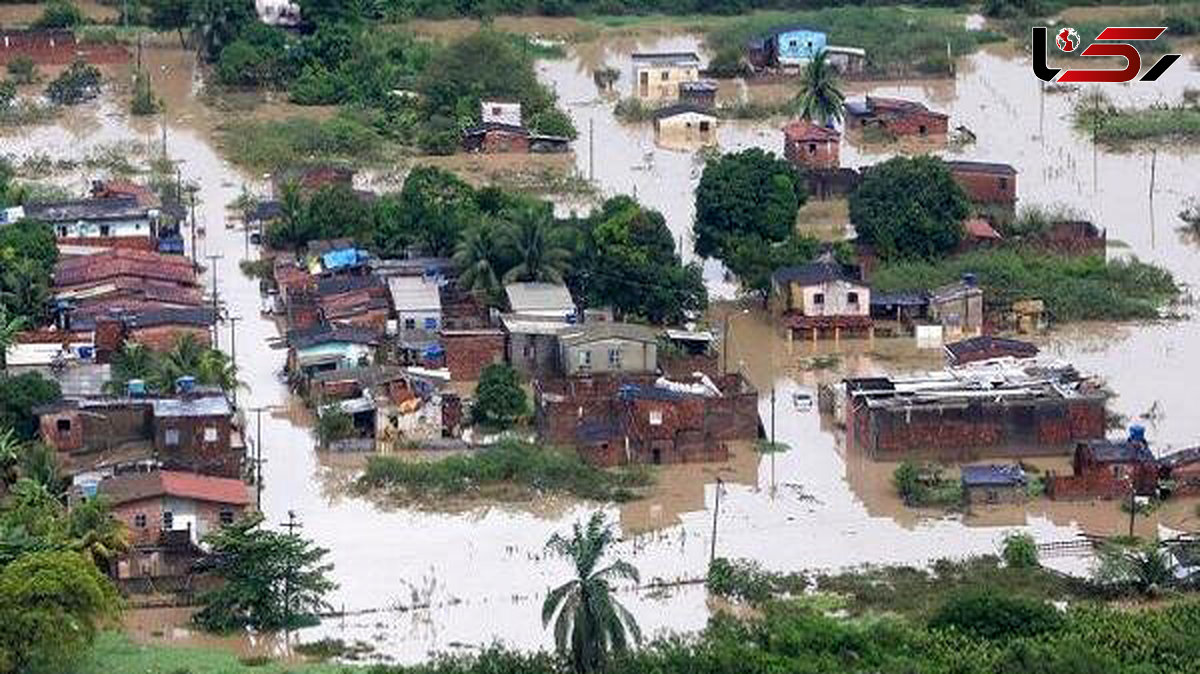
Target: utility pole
[712,553]
[1132,506]
[212,267]
[773,447]
[591,149]
[258,460]
[291,525]
[233,350]
[193,195]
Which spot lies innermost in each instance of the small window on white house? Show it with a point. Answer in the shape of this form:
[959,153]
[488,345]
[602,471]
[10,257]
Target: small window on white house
[105,230]
[666,75]
[226,516]
[139,520]
[614,358]
[210,434]
[852,298]
[168,520]
[171,437]
[410,324]
[656,417]
[819,298]
[496,110]
[585,358]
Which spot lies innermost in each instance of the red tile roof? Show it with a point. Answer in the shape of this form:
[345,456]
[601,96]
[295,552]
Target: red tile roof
[130,487]
[980,229]
[123,262]
[801,130]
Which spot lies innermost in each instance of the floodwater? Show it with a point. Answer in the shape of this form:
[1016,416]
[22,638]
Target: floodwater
[417,581]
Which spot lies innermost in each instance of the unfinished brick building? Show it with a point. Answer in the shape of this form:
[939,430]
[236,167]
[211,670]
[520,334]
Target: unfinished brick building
[1109,470]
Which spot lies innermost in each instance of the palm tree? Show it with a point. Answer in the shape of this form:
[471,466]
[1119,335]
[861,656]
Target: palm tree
[24,287]
[97,534]
[133,361]
[10,456]
[820,100]
[534,243]
[477,255]
[589,621]
[9,327]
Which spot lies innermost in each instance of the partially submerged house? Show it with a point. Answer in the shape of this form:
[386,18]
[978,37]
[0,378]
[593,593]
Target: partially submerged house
[958,308]
[686,122]
[1007,407]
[809,146]
[987,347]
[786,47]
[823,297]
[502,130]
[702,93]
[1108,469]
[896,116]
[119,220]
[986,182]
[657,76]
[994,484]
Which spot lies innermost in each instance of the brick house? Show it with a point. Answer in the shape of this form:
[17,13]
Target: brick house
[1182,471]
[986,347]
[823,296]
[1108,469]
[496,138]
[986,182]
[897,116]
[469,351]
[809,146]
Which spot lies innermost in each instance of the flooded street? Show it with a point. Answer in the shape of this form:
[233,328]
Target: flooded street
[416,582]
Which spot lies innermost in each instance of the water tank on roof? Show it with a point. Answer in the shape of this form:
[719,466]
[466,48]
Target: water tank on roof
[135,388]
[185,385]
[1137,433]
[969,280]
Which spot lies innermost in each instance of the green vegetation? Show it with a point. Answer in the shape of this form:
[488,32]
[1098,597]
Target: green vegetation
[19,394]
[159,371]
[987,614]
[909,208]
[1020,551]
[500,402]
[1074,289]
[115,652]
[143,102]
[1094,114]
[898,40]
[332,425]
[1136,566]
[590,625]
[506,466]
[272,145]
[22,70]
[820,99]
[924,486]
[78,83]
[59,14]
[272,580]
[745,580]
[27,256]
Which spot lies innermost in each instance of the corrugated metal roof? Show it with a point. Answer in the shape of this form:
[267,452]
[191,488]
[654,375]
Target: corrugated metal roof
[205,406]
[540,298]
[414,293]
[992,475]
[592,332]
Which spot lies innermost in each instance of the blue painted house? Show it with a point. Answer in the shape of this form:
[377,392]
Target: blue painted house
[786,47]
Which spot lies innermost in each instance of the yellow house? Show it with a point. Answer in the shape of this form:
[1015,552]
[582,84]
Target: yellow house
[657,76]
[821,296]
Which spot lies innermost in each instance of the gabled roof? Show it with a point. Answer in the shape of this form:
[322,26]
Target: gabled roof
[967,349]
[485,127]
[199,316]
[980,229]
[137,486]
[667,58]
[121,262]
[817,272]
[683,109]
[803,130]
[539,298]
[1107,451]
[328,334]
[994,168]
[992,475]
[199,406]
[414,293]
[109,208]
[594,332]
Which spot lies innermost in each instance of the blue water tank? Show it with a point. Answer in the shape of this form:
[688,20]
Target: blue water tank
[1137,433]
[185,384]
[135,388]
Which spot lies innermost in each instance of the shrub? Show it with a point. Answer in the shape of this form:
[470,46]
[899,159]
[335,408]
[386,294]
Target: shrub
[143,102]
[499,398]
[745,580]
[1020,551]
[985,614]
[333,424]
[22,70]
[78,83]
[59,14]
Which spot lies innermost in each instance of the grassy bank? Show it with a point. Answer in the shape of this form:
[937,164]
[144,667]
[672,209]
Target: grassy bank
[270,145]
[1121,126]
[1074,289]
[114,653]
[509,468]
[898,41]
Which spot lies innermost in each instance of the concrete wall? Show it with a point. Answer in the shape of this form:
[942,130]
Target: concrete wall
[959,317]
[654,83]
[534,356]
[835,299]
[598,357]
[986,188]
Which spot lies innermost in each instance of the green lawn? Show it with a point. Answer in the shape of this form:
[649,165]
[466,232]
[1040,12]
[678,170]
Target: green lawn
[114,653]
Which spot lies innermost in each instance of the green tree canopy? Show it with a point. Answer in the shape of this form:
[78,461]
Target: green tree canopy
[217,23]
[272,580]
[499,399]
[820,99]
[748,193]
[78,83]
[909,208]
[19,394]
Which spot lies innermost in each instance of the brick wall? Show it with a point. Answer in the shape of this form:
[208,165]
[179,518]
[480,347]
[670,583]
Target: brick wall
[193,452]
[469,352]
[147,243]
[503,141]
[986,188]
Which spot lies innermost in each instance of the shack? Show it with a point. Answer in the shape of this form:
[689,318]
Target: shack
[993,484]
[699,92]
[958,308]
[657,76]
[809,146]
[987,347]
[986,182]
[786,47]
[606,348]
[1108,469]
[686,121]
[897,116]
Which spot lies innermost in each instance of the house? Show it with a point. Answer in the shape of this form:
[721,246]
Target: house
[531,344]
[897,312]
[986,182]
[987,347]
[846,60]
[361,300]
[978,233]
[702,93]
[541,300]
[958,308]
[993,484]
[1180,471]
[309,179]
[330,348]
[496,138]
[897,116]
[657,76]
[809,146]
[1022,408]
[158,329]
[417,302]
[168,513]
[821,296]
[786,47]
[501,112]
[607,348]
[470,351]
[121,221]
[685,121]
[1108,469]
[123,265]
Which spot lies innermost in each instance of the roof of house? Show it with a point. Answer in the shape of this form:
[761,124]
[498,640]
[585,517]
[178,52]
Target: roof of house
[776,32]
[1179,458]
[982,167]
[594,332]
[992,475]
[108,208]
[802,130]
[980,229]
[1107,451]
[415,266]
[137,486]
[342,258]
[954,291]
[526,298]
[532,325]
[336,285]
[328,334]
[684,108]
[905,298]
[667,58]
[487,127]
[968,349]
[198,406]
[122,262]
[146,289]
[152,317]
[897,106]
[414,293]
[817,272]
[118,188]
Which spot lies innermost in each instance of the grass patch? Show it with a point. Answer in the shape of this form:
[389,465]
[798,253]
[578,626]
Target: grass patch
[271,145]
[745,580]
[1074,289]
[115,652]
[529,468]
[898,41]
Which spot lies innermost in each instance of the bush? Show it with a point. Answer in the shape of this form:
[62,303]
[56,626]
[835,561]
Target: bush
[59,14]
[22,70]
[78,83]
[333,424]
[909,208]
[143,102]
[988,615]
[745,580]
[1020,551]
[499,398]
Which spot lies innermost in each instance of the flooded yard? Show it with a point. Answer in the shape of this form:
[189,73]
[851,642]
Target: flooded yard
[416,581]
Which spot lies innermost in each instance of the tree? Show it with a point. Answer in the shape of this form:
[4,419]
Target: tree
[143,102]
[59,14]
[25,289]
[909,208]
[19,394]
[10,456]
[1143,566]
[335,211]
[78,83]
[536,246]
[499,399]
[52,604]
[990,615]
[439,207]
[8,94]
[478,257]
[749,193]
[753,260]
[10,325]
[95,533]
[590,622]
[909,483]
[171,15]
[22,70]
[820,100]
[292,230]
[217,23]
[272,580]
[1020,551]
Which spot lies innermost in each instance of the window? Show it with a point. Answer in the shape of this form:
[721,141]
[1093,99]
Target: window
[496,110]
[666,75]
[585,359]
[704,126]
[105,230]
[431,324]
[410,324]
[812,148]
[528,350]
[210,434]
[139,520]
[993,496]
[614,359]
[819,298]
[226,516]
[168,520]
[171,437]
[63,425]
[923,130]
[1004,183]
[62,230]
[793,43]
[852,298]
[656,417]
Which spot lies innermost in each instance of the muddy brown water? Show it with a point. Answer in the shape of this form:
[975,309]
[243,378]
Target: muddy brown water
[419,581]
